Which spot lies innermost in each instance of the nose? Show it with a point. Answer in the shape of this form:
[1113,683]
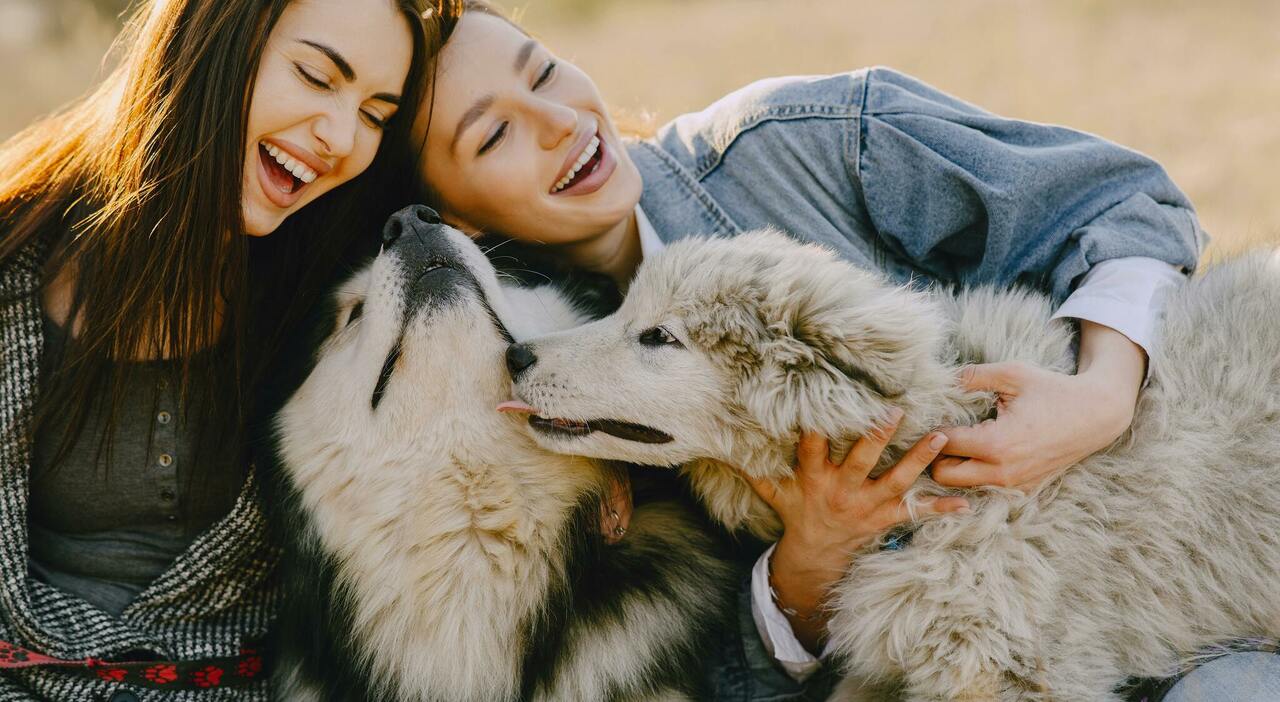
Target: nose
[336,130]
[405,219]
[559,122]
[519,359]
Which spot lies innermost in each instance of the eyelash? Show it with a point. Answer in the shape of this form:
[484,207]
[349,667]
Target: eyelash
[545,75]
[319,84]
[541,80]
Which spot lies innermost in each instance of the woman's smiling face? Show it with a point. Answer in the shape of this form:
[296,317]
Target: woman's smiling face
[330,78]
[520,142]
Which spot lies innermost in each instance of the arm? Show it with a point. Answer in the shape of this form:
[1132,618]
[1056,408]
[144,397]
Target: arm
[977,199]
[973,198]
[1048,421]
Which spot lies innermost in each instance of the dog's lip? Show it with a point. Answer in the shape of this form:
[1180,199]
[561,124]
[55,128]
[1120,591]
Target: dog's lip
[627,431]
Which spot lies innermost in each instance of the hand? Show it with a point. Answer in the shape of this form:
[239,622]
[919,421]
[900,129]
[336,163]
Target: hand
[829,511]
[1045,421]
[616,505]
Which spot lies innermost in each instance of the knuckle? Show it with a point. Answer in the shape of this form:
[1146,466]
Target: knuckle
[1003,477]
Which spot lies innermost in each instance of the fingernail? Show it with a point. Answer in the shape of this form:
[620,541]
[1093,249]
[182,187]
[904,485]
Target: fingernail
[938,441]
[895,414]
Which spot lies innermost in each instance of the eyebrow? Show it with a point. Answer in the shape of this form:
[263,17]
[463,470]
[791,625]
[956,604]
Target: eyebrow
[477,110]
[480,106]
[522,57]
[343,67]
[347,71]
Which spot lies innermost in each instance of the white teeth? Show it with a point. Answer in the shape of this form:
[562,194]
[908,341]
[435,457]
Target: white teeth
[297,168]
[585,156]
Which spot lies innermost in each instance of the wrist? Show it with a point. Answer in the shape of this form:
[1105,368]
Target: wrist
[1107,356]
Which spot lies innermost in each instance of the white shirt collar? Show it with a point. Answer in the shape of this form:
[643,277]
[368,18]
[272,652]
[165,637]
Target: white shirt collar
[649,242]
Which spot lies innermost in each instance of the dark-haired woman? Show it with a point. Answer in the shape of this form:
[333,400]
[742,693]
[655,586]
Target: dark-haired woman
[891,174]
[154,237]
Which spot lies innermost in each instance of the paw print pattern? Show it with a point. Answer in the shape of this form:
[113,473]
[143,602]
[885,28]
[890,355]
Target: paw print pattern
[112,674]
[250,666]
[207,677]
[161,674]
[12,654]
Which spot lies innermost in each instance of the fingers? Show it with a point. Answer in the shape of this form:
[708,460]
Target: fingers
[1003,378]
[978,441]
[972,473]
[812,452]
[902,476]
[866,451]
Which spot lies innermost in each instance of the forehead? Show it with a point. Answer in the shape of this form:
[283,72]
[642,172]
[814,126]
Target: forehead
[372,35]
[476,61]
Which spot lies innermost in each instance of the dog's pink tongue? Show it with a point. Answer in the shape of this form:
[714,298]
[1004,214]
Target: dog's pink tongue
[516,407]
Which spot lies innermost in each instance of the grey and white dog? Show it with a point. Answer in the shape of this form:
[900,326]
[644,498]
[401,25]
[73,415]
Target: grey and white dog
[435,553]
[1134,562]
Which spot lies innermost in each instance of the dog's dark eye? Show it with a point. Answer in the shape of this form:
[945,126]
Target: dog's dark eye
[659,337]
[356,312]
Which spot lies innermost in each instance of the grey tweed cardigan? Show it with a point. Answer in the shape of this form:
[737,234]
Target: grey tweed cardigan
[217,596]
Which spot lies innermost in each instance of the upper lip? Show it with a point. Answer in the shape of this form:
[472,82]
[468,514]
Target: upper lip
[579,145]
[307,158]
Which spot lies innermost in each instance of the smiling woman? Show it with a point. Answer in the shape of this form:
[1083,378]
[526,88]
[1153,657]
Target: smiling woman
[141,293]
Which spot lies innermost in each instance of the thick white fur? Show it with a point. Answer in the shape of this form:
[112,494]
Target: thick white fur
[1134,562]
[447,521]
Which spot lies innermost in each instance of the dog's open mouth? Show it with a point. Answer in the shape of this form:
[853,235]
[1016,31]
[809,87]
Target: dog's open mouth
[572,428]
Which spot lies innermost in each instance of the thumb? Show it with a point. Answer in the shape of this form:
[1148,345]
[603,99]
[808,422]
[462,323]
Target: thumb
[767,489]
[991,377]
[978,441]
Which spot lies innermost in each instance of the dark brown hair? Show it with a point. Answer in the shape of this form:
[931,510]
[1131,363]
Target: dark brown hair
[136,190]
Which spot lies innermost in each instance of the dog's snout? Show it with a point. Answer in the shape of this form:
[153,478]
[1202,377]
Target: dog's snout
[392,230]
[426,215]
[407,219]
[519,359]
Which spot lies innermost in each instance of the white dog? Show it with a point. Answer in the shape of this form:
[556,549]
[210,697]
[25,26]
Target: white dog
[434,552]
[1141,557]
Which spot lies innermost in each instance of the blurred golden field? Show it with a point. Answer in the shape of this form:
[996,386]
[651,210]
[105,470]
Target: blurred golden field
[1194,84]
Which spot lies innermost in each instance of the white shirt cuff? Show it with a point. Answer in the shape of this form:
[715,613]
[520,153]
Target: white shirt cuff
[775,631]
[1127,295]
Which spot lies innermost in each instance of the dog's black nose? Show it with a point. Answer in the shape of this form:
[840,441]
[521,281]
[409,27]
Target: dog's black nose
[407,218]
[519,358]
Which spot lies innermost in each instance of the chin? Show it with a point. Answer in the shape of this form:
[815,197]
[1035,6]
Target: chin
[259,223]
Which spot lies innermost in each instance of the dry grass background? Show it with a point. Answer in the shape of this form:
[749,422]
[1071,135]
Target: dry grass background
[1194,84]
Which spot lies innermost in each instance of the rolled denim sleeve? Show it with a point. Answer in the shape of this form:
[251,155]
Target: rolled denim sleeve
[974,198]
[741,669]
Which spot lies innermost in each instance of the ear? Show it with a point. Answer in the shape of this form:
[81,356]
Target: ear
[730,500]
[836,361]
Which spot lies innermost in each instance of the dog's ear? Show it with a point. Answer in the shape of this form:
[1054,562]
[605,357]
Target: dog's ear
[835,361]
[729,499]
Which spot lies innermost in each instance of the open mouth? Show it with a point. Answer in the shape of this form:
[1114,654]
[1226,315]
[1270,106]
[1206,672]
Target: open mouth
[587,164]
[556,426]
[282,178]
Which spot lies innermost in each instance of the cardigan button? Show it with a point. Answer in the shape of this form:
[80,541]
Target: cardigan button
[123,696]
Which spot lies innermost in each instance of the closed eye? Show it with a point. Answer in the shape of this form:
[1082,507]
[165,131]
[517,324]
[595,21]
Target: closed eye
[493,140]
[310,78]
[658,336]
[546,75]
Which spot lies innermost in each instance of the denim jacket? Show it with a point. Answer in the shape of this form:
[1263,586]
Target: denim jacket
[894,175]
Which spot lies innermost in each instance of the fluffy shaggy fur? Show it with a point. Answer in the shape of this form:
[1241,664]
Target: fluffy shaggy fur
[1135,561]
[434,552]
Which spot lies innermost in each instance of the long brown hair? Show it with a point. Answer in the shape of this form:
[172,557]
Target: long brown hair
[136,190]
